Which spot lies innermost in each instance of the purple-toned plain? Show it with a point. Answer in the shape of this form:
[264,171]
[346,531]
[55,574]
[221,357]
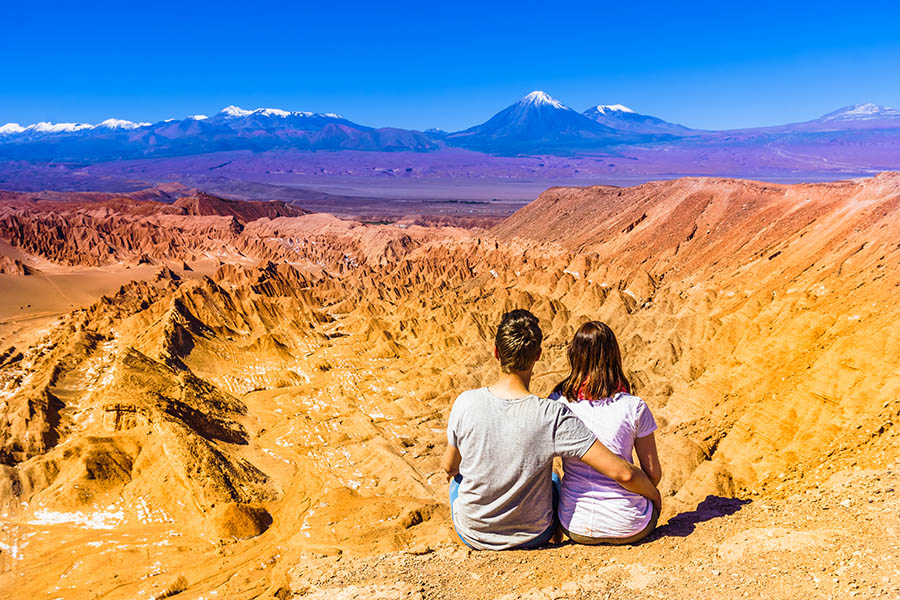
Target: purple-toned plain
[533,143]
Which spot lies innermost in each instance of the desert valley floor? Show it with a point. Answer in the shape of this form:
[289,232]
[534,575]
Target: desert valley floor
[214,398]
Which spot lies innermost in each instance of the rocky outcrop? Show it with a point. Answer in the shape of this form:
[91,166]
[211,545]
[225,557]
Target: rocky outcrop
[124,231]
[14,266]
[243,211]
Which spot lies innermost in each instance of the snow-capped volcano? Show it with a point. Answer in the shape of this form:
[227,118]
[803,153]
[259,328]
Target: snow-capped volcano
[541,98]
[856,117]
[537,123]
[537,107]
[606,109]
[862,112]
[619,116]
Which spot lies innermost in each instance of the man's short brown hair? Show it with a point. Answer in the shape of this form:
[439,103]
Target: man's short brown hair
[518,340]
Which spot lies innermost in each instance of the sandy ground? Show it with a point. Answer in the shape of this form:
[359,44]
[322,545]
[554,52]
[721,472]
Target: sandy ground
[29,303]
[839,539]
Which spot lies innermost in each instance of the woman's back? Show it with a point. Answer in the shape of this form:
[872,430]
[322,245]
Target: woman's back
[591,504]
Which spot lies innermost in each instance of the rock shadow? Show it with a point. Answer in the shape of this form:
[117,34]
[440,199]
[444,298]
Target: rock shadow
[712,507]
[208,426]
[51,433]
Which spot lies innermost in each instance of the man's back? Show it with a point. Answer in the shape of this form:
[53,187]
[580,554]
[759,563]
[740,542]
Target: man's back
[507,449]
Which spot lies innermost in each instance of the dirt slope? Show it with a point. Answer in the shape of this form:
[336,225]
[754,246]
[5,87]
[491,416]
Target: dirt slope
[797,547]
[243,429]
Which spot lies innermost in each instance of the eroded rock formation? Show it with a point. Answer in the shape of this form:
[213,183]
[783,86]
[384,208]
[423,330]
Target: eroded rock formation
[299,392]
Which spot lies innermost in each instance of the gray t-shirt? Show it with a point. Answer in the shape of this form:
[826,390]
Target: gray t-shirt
[507,449]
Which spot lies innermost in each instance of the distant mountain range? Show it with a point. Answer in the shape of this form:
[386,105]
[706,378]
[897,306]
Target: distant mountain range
[535,125]
[231,129]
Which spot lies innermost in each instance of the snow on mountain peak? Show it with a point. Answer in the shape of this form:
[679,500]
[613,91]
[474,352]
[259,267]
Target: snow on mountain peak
[229,112]
[539,98]
[234,111]
[271,112]
[866,109]
[47,127]
[862,112]
[608,108]
[120,124]
[11,128]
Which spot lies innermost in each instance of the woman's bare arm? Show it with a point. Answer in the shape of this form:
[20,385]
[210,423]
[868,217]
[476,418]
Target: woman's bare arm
[647,455]
[450,461]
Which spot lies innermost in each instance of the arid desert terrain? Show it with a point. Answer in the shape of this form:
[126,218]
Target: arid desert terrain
[211,398]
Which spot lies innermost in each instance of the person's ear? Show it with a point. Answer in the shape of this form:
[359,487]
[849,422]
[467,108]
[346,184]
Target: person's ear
[540,351]
[496,353]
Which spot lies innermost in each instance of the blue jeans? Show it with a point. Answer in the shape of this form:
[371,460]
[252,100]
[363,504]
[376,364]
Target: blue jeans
[536,542]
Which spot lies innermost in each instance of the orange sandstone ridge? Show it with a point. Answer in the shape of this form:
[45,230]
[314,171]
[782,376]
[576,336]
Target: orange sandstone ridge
[289,405]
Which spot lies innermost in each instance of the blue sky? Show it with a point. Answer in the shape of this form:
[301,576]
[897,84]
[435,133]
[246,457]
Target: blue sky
[446,64]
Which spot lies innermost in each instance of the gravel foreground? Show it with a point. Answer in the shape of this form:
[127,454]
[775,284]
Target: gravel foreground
[838,539]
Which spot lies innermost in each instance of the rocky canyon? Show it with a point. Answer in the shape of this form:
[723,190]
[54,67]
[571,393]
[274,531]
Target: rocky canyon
[213,398]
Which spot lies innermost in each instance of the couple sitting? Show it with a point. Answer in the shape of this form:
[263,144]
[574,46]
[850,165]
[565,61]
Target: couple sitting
[502,440]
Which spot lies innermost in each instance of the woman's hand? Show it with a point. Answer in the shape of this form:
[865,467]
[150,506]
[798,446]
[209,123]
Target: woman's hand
[657,502]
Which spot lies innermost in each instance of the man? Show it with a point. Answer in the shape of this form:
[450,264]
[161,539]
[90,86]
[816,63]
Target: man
[501,444]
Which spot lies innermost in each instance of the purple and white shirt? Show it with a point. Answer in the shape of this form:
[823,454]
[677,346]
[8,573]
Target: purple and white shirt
[591,504]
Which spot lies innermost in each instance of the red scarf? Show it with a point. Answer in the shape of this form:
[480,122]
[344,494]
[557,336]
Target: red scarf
[583,389]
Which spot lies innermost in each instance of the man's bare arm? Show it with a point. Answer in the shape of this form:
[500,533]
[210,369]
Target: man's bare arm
[624,473]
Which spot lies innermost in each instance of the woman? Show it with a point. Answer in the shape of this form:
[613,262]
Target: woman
[594,509]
